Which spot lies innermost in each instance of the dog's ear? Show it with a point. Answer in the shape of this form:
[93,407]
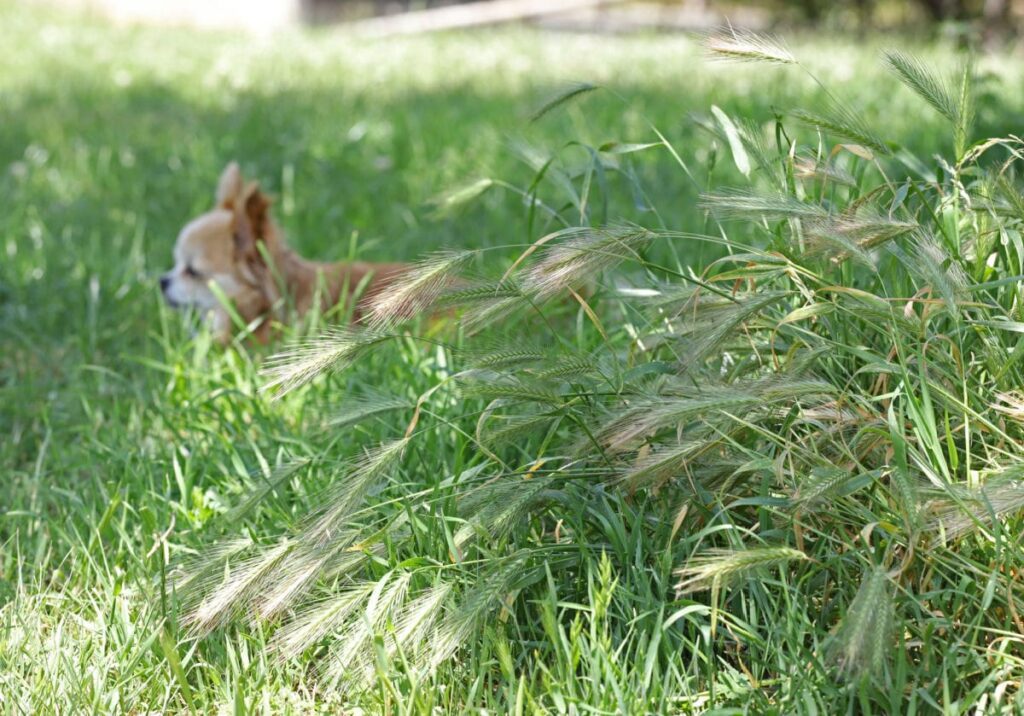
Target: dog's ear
[229,188]
[251,222]
[257,209]
[245,238]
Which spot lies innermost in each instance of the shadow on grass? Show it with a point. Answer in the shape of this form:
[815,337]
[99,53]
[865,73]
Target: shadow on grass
[98,178]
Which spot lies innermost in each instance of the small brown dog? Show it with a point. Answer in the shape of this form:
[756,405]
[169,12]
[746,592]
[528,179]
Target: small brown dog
[230,246]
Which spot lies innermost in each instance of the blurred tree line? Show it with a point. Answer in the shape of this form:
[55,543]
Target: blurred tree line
[988,21]
[985,21]
[936,10]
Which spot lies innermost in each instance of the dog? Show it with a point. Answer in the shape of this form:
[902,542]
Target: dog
[238,247]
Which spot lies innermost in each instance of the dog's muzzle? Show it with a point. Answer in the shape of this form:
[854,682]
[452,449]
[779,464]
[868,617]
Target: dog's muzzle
[165,283]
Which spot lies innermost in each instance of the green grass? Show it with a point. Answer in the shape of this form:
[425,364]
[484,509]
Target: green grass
[128,439]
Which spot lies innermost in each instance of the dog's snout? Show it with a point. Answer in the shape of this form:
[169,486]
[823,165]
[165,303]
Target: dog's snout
[165,281]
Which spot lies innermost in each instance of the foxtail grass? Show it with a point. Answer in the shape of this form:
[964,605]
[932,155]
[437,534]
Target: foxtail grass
[809,411]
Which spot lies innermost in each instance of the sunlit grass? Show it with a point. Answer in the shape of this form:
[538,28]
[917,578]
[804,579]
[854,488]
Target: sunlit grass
[127,438]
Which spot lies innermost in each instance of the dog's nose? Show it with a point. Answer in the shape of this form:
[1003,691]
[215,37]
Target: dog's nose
[165,281]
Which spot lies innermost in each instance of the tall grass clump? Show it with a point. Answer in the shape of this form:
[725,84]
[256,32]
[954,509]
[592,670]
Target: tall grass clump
[791,476]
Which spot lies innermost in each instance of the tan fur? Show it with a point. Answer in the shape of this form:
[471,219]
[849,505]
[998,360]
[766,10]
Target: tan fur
[227,246]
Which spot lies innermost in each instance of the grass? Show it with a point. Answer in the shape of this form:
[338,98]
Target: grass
[134,445]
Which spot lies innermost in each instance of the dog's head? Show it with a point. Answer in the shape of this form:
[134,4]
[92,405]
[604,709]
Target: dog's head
[223,247]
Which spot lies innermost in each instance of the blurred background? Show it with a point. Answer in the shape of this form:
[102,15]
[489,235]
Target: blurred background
[363,117]
[988,22]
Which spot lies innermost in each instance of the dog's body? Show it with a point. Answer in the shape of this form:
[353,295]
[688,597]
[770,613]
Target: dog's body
[237,247]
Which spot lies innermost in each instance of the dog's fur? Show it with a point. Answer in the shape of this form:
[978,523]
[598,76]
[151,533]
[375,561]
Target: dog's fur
[230,246]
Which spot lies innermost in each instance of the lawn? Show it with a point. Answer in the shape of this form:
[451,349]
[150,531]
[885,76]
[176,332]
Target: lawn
[130,440]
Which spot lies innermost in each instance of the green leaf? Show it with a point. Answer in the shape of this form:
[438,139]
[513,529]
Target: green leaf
[739,154]
[566,95]
[170,650]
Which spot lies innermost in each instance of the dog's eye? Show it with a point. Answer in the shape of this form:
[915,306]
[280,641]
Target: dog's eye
[191,272]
